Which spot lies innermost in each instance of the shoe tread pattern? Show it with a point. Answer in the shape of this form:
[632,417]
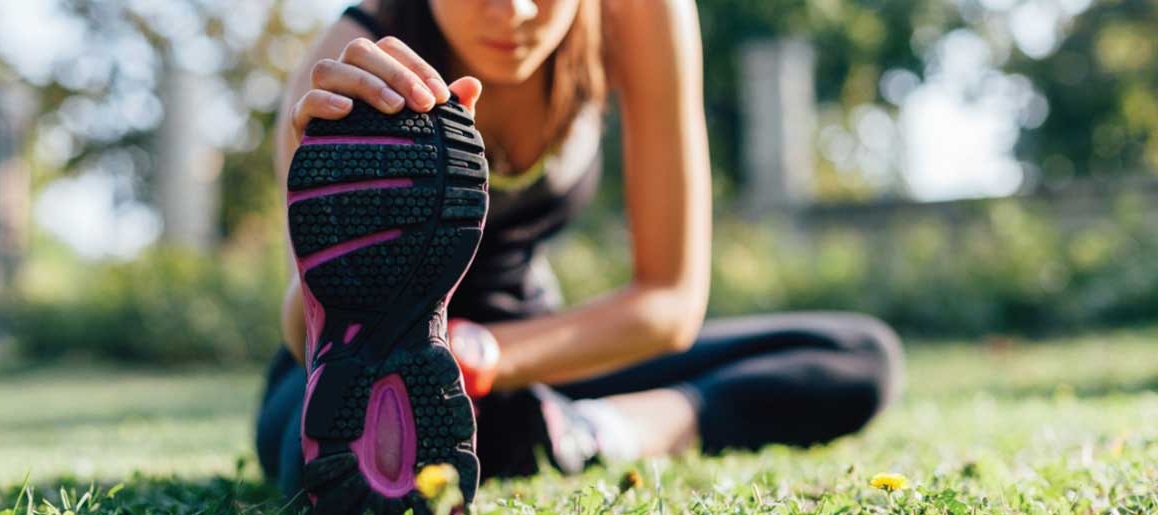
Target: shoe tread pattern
[394,289]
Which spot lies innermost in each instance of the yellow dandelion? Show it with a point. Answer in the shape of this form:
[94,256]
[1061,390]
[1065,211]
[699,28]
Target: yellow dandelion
[433,480]
[630,480]
[1063,392]
[889,482]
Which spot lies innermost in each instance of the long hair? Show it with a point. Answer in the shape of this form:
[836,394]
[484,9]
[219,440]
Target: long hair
[575,77]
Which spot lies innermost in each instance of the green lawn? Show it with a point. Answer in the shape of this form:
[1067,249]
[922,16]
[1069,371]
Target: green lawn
[1067,426]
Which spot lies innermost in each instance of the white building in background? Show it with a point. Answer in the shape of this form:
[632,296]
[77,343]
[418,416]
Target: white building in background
[950,134]
[15,183]
[188,189]
[779,112]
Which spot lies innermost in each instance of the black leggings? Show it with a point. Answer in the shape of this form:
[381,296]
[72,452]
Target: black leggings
[798,379]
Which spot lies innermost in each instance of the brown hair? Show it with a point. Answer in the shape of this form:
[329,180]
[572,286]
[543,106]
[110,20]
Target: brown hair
[575,79]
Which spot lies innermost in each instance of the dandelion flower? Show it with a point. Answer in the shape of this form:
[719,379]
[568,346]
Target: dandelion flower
[889,482]
[630,480]
[433,480]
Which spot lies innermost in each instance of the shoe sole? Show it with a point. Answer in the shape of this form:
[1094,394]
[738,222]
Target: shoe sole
[385,216]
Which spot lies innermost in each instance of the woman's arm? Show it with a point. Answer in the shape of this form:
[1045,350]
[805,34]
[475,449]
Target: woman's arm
[655,59]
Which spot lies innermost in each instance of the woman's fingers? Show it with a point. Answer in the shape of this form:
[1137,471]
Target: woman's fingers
[388,75]
[468,90]
[366,55]
[318,103]
[352,81]
[408,58]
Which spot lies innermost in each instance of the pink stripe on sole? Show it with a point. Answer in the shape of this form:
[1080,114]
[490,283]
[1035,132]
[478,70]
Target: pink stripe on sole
[309,445]
[355,140]
[309,262]
[334,189]
[351,332]
[325,349]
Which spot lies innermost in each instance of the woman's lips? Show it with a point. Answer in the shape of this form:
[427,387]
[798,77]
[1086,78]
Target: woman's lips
[502,46]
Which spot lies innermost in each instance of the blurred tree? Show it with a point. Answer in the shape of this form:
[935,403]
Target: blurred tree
[1094,64]
[1102,87]
[100,68]
[855,41]
[15,107]
[99,87]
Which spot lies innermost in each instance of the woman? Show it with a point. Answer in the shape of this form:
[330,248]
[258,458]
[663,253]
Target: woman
[633,373]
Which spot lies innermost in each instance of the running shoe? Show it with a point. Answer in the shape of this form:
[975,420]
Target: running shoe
[385,215]
[522,426]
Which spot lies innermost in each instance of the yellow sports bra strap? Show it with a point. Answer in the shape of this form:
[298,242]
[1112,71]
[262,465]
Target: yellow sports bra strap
[509,182]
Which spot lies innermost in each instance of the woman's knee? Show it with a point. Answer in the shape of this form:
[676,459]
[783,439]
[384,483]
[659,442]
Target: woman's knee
[279,413]
[290,459]
[880,344]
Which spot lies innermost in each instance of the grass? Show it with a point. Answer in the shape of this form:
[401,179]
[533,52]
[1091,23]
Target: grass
[1064,426]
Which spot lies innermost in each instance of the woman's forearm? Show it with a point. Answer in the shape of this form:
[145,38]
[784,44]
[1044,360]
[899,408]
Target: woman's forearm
[606,334]
[293,320]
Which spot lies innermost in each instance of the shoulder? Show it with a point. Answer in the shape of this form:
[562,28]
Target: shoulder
[370,6]
[640,35]
[643,18]
[648,8]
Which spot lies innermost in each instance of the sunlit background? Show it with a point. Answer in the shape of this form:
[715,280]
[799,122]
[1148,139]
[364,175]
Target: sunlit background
[1004,150]
[981,174]
[102,65]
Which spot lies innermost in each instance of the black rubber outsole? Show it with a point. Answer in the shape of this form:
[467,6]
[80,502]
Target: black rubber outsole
[408,243]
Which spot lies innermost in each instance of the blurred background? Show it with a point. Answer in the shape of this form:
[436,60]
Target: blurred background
[960,168]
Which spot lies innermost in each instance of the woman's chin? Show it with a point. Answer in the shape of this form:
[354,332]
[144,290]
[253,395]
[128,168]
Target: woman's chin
[509,73]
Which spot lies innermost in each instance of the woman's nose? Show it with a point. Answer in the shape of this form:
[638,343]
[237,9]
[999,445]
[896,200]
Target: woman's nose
[513,11]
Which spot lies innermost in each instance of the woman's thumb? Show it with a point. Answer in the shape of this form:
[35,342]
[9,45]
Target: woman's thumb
[467,89]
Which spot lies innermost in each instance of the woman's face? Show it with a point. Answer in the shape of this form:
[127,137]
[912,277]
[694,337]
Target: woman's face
[504,41]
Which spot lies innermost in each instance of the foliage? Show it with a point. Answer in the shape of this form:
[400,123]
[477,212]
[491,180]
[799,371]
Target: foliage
[855,41]
[1103,95]
[1098,79]
[168,306]
[95,102]
[1099,82]
[1011,271]
[1048,427]
[1009,267]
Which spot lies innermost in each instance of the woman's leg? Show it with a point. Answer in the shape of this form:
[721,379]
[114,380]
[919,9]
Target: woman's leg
[659,422]
[278,423]
[791,378]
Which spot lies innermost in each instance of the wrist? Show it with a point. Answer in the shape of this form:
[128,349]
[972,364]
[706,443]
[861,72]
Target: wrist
[477,353]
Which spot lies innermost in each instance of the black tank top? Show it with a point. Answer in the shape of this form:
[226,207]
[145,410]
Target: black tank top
[510,277]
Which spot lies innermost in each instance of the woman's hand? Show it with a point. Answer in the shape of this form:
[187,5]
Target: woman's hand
[387,75]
